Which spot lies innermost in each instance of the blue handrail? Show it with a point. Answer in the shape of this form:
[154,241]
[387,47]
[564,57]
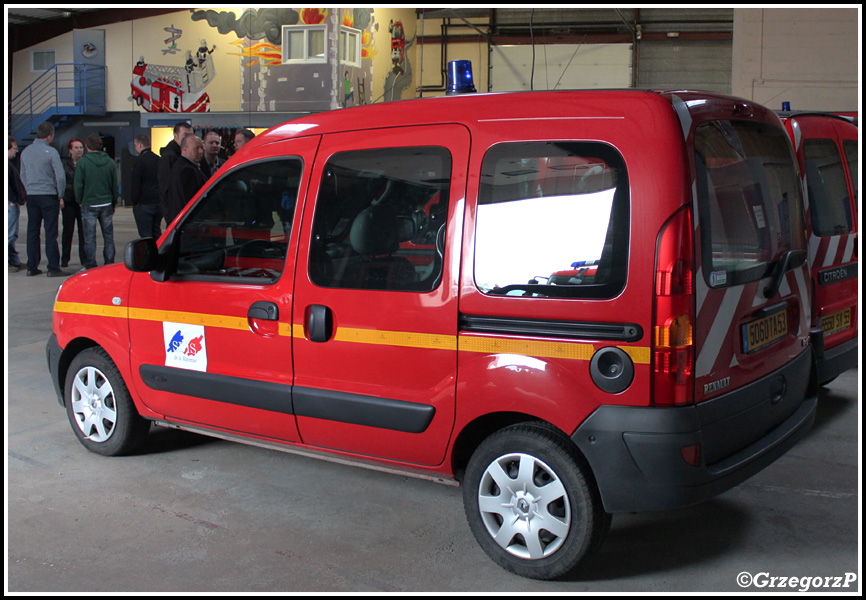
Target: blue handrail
[64,89]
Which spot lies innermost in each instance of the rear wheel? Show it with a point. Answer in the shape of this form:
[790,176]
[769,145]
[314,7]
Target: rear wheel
[531,502]
[99,406]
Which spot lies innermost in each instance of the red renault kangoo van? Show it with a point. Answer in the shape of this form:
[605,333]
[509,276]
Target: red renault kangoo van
[827,151]
[391,284]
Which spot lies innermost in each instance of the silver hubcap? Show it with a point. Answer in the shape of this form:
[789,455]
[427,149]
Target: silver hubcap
[93,404]
[524,506]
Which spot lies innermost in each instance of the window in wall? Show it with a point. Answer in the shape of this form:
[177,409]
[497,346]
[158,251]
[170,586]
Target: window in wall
[350,46]
[42,60]
[304,44]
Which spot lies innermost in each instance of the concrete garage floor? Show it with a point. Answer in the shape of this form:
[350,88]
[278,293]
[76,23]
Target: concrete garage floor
[194,514]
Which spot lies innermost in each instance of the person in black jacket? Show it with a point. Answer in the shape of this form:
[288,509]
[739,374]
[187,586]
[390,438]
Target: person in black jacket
[70,214]
[146,206]
[16,199]
[186,176]
[168,156]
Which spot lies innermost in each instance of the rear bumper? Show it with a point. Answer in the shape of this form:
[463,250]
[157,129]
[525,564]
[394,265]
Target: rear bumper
[635,452]
[837,360]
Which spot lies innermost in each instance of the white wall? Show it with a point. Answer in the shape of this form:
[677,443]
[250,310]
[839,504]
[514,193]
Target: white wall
[806,56]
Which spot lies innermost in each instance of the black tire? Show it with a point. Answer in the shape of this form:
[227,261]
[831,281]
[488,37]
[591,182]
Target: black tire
[99,406]
[544,517]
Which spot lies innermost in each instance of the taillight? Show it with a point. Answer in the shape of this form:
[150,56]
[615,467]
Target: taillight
[673,353]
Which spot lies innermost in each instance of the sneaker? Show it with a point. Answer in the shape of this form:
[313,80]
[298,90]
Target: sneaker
[14,268]
[58,274]
[36,272]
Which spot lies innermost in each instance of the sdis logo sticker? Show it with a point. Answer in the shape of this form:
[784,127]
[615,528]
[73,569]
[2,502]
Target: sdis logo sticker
[184,346]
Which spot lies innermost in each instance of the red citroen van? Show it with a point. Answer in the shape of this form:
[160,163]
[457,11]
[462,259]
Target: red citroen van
[827,152]
[375,284]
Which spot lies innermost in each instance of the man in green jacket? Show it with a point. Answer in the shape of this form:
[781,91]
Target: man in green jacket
[96,191]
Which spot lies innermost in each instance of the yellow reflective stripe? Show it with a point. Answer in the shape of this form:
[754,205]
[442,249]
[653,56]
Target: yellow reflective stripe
[98,310]
[639,354]
[189,318]
[174,316]
[572,351]
[406,339]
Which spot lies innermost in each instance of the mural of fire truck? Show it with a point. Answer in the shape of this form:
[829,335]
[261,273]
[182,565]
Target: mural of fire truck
[164,88]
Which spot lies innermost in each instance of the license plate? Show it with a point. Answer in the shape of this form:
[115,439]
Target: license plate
[765,331]
[836,322]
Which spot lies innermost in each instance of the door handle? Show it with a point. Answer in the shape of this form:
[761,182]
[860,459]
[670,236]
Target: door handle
[264,311]
[320,323]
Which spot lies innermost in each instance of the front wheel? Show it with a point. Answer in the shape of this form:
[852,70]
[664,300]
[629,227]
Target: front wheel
[531,502]
[99,406]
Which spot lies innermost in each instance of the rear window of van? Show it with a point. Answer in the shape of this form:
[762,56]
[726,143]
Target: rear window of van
[552,221]
[852,155]
[829,204]
[750,205]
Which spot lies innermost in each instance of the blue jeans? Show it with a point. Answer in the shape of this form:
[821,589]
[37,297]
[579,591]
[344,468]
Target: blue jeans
[89,217]
[42,210]
[14,212]
[147,218]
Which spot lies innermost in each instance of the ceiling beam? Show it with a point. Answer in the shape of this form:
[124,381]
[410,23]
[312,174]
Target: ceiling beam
[25,36]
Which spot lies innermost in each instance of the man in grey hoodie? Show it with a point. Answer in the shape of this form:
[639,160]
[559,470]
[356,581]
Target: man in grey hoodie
[44,182]
[96,191]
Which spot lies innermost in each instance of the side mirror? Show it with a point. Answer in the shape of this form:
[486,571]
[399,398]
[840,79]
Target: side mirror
[142,256]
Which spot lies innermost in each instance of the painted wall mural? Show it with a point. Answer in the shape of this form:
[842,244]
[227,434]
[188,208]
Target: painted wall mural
[304,59]
[174,88]
[271,60]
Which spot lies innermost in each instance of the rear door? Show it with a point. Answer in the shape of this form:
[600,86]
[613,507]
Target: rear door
[375,313]
[824,148]
[752,281]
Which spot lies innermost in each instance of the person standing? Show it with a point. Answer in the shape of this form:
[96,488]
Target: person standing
[211,162]
[168,156]
[71,212]
[44,183]
[16,199]
[145,189]
[242,136]
[96,191]
[187,178]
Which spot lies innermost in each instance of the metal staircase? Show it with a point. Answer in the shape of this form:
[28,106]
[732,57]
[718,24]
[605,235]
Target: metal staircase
[62,91]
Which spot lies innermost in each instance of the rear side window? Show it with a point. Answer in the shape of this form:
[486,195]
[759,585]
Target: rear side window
[239,230]
[749,200]
[852,155]
[380,220]
[552,221]
[829,205]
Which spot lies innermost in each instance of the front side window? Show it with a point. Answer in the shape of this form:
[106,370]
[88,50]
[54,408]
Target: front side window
[239,230]
[749,200]
[380,220]
[829,205]
[552,221]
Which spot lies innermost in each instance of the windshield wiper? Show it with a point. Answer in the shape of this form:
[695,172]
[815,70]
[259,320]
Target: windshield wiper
[788,260]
